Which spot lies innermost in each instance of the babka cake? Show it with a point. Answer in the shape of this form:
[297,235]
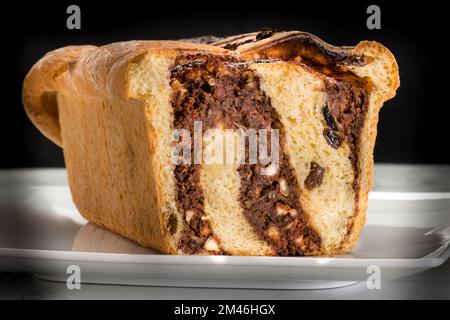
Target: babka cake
[123,112]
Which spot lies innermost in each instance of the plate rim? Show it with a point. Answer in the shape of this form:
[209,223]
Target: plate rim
[248,261]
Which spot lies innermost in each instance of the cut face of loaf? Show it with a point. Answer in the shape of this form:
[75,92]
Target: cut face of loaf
[117,108]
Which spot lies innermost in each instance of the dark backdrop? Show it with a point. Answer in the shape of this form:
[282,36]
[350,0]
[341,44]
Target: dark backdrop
[413,127]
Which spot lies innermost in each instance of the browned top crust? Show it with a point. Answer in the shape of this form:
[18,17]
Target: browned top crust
[288,45]
[89,70]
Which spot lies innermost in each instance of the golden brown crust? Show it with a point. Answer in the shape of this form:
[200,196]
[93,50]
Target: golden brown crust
[94,72]
[88,70]
[103,71]
[41,83]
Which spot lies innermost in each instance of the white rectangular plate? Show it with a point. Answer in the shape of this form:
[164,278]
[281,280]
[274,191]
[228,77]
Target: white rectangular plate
[42,232]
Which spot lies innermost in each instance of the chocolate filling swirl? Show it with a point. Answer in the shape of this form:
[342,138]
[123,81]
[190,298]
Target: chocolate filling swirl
[214,90]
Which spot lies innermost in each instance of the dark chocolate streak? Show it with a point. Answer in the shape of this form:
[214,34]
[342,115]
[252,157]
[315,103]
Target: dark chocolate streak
[347,103]
[345,113]
[218,91]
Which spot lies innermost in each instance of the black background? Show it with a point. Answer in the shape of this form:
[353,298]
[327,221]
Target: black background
[413,126]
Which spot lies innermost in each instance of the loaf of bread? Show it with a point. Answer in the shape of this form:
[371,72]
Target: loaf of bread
[122,113]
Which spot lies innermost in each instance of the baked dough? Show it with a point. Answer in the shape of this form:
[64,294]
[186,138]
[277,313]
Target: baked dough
[113,109]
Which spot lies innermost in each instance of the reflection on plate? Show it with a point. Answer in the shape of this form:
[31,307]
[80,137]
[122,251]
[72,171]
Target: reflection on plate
[377,242]
[91,238]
